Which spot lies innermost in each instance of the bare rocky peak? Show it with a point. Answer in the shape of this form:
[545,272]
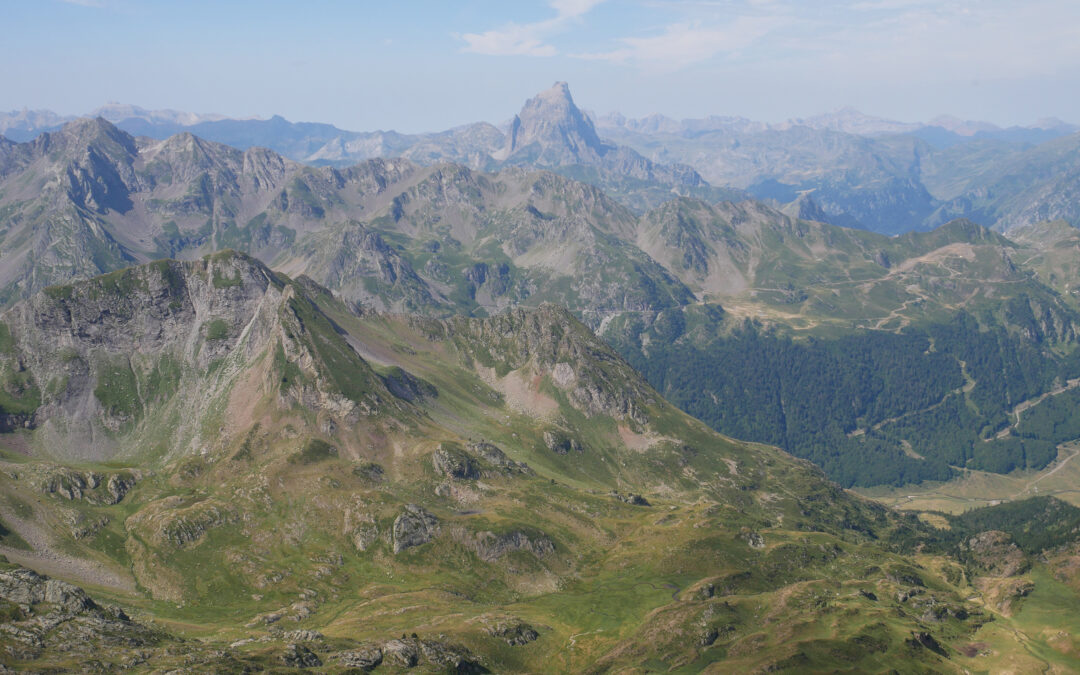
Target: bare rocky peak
[81,135]
[806,208]
[551,131]
[551,119]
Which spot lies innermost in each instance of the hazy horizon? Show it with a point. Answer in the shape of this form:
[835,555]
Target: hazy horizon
[430,66]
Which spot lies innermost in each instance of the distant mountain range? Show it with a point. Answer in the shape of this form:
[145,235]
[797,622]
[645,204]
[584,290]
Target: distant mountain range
[857,170]
[22,125]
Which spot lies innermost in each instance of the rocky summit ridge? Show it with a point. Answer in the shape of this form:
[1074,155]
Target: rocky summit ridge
[551,131]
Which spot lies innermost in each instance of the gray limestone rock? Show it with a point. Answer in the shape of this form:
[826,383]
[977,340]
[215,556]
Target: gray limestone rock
[413,527]
[454,463]
[366,658]
[514,631]
[560,443]
[299,656]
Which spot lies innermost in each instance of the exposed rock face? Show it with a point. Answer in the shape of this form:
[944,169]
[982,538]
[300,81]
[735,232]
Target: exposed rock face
[994,553]
[108,353]
[453,463]
[490,546]
[366,658]
[57,617]
[755,540]
[515,631]
[303,636]
[403,653]
[413,527]
[560,443]
[494,456]
[299,656]
[173,523]
[359,263]
[119,485]
[551,131]
[406,386]
[924,639]
[551,119]
[411,652]
[370,471]
[91,486]
[548,340]
[631,498]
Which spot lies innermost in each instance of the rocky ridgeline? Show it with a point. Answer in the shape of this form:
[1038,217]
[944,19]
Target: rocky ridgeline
[550,341]
[43,617]
[99,356]
[91,486]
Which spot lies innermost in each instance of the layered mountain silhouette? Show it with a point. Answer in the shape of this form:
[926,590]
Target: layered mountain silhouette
[862,171]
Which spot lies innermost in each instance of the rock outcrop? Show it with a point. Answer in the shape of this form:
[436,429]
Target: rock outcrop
[515,631]
[490,546]
[413,527]
[452,462]
[994,553]
[494,456]
[44,616]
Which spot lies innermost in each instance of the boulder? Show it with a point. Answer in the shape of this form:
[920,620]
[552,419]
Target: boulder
[404,653]
[560,443]
[454,463]
[515,631]
[494,456]
[413,527]
[365,658]
[299,656]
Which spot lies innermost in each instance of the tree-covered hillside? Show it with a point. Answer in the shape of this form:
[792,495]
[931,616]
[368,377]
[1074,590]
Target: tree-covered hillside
[872,407]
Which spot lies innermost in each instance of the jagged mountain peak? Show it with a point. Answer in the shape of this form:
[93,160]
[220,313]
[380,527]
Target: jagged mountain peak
[552,132]
[86,132]
[552,119]
[558,92]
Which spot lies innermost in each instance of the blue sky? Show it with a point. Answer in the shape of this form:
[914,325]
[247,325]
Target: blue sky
[422,66]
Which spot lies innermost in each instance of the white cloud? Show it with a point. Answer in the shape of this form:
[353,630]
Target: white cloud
[685,44]
[570,8]
[528,39]
[510,40]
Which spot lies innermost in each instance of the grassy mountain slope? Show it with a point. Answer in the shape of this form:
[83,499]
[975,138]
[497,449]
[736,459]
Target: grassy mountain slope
[507,488]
